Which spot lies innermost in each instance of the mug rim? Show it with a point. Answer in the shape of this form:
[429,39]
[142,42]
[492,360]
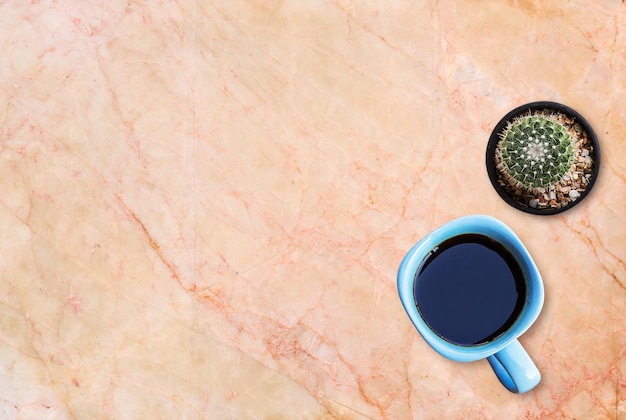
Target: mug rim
[497,230]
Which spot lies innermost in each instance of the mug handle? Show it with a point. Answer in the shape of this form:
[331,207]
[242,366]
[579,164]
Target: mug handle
[514,368]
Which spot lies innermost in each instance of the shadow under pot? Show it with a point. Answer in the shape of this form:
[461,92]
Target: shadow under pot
[543,158]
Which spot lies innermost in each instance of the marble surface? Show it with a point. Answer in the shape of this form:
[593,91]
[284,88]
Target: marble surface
[204,205]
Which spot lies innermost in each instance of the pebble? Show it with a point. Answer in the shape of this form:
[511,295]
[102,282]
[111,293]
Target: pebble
[588,159]
[585,152]
[574,194]
[552,195]
[533,203]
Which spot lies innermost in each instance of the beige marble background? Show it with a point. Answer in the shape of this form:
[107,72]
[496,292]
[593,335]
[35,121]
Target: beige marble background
[204,204]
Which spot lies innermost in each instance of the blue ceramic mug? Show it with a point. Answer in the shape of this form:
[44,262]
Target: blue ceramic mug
[510,362]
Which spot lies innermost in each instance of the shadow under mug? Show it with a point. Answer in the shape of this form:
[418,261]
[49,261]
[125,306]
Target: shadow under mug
[510,362]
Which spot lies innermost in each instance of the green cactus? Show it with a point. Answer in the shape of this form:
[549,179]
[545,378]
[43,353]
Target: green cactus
[536,151]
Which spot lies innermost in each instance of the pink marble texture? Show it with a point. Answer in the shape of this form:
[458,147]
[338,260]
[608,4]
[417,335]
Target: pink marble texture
[204,205]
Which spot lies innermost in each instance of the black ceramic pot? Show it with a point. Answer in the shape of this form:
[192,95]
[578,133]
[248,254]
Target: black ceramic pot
[507,192]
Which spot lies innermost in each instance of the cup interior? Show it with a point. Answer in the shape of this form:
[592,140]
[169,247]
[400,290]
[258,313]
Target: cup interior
[498,231]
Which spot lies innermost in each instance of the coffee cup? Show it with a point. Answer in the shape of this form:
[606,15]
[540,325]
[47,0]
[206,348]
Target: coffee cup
[471,289]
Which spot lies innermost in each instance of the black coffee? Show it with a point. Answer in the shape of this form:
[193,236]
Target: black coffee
[469,289]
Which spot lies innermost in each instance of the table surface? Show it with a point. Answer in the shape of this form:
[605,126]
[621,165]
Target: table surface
[204,205]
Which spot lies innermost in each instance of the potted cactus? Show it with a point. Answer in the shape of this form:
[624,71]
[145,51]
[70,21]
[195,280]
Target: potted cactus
[543,158]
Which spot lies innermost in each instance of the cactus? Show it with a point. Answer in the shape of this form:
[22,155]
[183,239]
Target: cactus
[535,151]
